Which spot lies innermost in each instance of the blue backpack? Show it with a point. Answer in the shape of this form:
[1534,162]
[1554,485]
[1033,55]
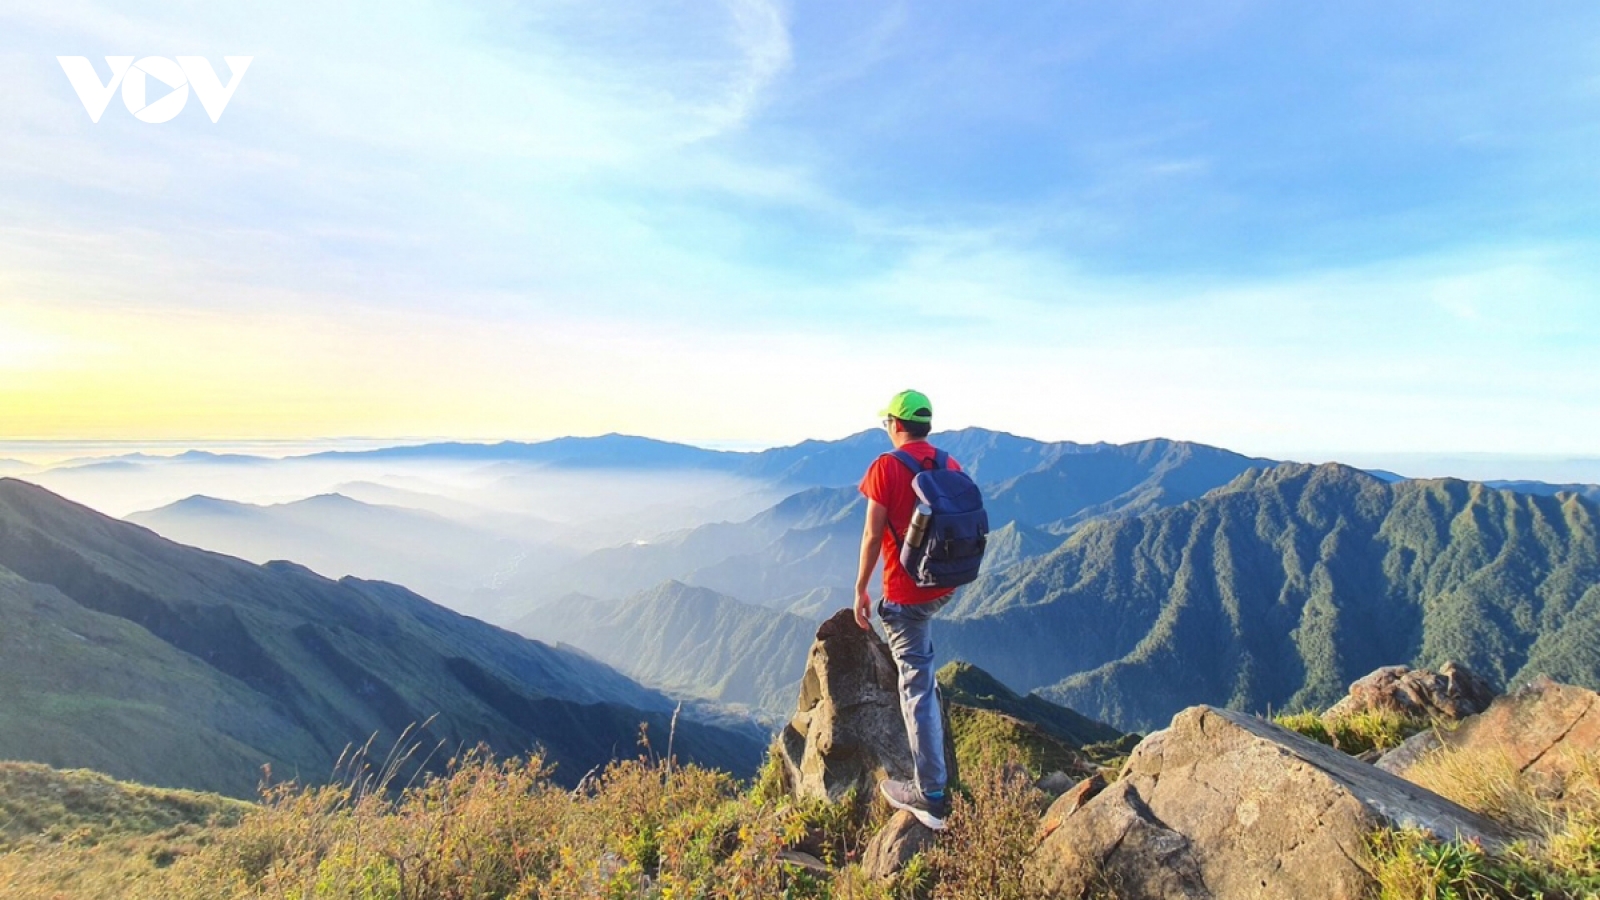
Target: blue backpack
[951,549]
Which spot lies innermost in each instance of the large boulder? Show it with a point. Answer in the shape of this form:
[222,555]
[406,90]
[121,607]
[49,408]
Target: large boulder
[1117,847]
[1450,694]
[1545,729]
[847,732]
[1225,805]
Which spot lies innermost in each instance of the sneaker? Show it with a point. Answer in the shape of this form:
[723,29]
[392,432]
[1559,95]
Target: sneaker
[930,811]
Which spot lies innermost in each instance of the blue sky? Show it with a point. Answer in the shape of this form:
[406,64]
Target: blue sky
[1275,228]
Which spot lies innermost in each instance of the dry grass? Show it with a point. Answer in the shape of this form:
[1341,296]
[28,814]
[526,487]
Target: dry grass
[503,829]
[1489,783]
[993,832]
[82,834]
[1556,821]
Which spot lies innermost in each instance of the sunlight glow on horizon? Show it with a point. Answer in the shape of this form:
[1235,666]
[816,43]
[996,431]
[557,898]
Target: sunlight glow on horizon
[750,221]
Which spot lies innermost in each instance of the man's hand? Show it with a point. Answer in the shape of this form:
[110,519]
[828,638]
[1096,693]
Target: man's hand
[871,547]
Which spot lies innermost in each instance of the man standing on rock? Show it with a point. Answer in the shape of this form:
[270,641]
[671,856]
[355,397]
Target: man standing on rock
[906,609]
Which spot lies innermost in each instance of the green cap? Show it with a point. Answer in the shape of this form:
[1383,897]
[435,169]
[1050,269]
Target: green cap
[909,406]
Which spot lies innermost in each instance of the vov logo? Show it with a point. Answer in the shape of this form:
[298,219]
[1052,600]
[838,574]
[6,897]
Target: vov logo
[134,79]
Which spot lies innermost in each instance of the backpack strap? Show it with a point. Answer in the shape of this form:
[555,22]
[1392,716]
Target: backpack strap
[906,460]
[910,462]
[940,460]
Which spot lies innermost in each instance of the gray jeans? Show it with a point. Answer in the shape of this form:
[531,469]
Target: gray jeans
[910,632]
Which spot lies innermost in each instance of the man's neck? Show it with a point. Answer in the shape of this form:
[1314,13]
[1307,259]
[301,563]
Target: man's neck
[901,441]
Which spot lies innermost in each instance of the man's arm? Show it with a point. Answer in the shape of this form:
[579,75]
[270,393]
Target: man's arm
[871,548]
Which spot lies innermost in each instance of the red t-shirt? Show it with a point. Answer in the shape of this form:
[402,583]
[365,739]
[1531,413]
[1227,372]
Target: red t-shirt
[888,481]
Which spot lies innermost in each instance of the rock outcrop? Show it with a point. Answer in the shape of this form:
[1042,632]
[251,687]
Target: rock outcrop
[1449,695]
[1544,729]
[1069,802]
[894,845]
[1225,805]
[847,731]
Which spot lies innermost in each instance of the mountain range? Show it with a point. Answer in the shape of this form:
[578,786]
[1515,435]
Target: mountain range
[1589,492]
[992,455]
[1126,581]
[1038,493]
[1279,589]
[128,653]
[1273,591]
[495,530]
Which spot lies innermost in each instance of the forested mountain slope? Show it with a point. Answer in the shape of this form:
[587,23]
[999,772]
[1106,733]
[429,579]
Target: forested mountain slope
[1288,583]
[146,659]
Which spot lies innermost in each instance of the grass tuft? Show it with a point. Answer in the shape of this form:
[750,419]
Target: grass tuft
[1363,732]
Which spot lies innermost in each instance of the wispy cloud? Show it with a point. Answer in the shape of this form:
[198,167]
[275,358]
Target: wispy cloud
[1232,221]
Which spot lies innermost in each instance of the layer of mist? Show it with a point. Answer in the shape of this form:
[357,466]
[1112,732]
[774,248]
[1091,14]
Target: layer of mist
[458,530]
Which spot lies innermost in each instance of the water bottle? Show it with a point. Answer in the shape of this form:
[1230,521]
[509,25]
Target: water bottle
[919,524]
